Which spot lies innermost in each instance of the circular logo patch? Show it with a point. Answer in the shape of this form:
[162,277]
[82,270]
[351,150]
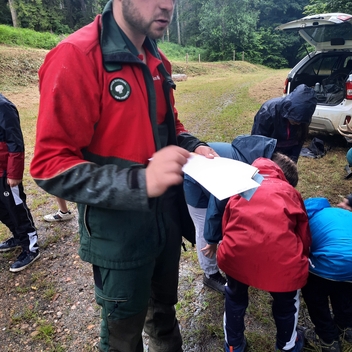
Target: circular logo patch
[119,89]
[6,194]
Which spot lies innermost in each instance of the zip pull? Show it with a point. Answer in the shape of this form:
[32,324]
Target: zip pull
[115,307]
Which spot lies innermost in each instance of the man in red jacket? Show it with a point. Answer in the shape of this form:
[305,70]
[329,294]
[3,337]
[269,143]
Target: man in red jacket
[14,212]
[265,244]
[109,139]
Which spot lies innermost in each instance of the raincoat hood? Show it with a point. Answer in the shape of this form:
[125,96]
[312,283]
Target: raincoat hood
[299,105]
[269,169]
[313,205]
[247,148]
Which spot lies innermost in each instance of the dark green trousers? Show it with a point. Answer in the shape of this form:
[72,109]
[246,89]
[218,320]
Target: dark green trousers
[142,297]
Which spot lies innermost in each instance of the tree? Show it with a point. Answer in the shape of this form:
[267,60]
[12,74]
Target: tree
[178,25]
[279,49]
[325,6]
[273,12]
[185,27]
[227,25]
[13,11]
[5,14]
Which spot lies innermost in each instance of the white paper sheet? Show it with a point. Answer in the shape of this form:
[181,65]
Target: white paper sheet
[222,177]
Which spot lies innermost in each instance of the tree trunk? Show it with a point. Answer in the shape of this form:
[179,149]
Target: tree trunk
[13,13]
[83,7]
[178,26]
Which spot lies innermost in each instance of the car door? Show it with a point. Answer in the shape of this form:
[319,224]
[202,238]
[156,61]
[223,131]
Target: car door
[324,31]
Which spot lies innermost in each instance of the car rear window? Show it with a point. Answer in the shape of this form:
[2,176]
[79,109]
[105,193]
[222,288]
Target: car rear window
[323,65]
[327,63]
[326,33]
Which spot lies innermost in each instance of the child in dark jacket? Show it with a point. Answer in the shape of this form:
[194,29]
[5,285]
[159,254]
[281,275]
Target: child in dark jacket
[14,212]
[287,119]
[266,245]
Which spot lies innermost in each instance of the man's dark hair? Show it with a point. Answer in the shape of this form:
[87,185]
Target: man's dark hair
[288,167]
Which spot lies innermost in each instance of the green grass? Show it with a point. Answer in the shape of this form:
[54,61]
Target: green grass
[217,106]
[28,38]
[176,52]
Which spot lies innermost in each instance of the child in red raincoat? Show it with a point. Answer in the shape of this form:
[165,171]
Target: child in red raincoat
[266,245]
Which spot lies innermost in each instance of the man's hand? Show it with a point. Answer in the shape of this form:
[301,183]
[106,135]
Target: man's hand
[206,151]
[13,183]
[209,250]
[165,170]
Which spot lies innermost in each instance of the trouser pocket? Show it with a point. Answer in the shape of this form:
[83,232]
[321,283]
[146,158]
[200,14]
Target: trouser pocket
[116,334]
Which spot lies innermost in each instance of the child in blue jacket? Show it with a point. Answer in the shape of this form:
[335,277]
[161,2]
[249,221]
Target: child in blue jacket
[330,276]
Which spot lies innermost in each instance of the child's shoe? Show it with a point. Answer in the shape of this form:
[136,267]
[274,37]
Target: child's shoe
[240,348]
[9,245]
[215,281]
[316,342]
[299,344]
[59,216]
[25,259]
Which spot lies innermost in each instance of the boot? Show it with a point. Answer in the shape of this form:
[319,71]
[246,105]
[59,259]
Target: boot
[316,342]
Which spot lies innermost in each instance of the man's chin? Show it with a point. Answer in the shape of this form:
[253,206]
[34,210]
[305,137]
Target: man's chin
[157,33]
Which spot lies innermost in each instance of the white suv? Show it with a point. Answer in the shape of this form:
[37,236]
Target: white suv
[328,69]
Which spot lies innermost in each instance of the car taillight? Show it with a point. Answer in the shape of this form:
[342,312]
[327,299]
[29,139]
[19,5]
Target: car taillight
[344,17]
[347,120]
[349,89]
[285,86]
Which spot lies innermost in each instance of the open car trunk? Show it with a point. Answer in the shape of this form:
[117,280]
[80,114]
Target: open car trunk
[327,72]
[332,90]
[329,66]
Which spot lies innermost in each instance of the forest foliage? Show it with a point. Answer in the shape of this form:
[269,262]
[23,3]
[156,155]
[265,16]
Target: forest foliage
[220,29]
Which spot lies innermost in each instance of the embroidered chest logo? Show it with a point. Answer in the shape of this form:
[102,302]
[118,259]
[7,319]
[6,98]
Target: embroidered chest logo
[119,89]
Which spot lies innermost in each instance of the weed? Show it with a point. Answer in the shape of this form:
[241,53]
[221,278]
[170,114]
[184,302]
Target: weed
[51,239]
[46,331]
[59,348]
[27,315]
[50,292]
[22,289]
[37,276]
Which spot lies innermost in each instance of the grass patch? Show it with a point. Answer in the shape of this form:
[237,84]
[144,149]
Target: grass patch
[176,52]
[46,332]
[217,106]
[28,37]
[51,239]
